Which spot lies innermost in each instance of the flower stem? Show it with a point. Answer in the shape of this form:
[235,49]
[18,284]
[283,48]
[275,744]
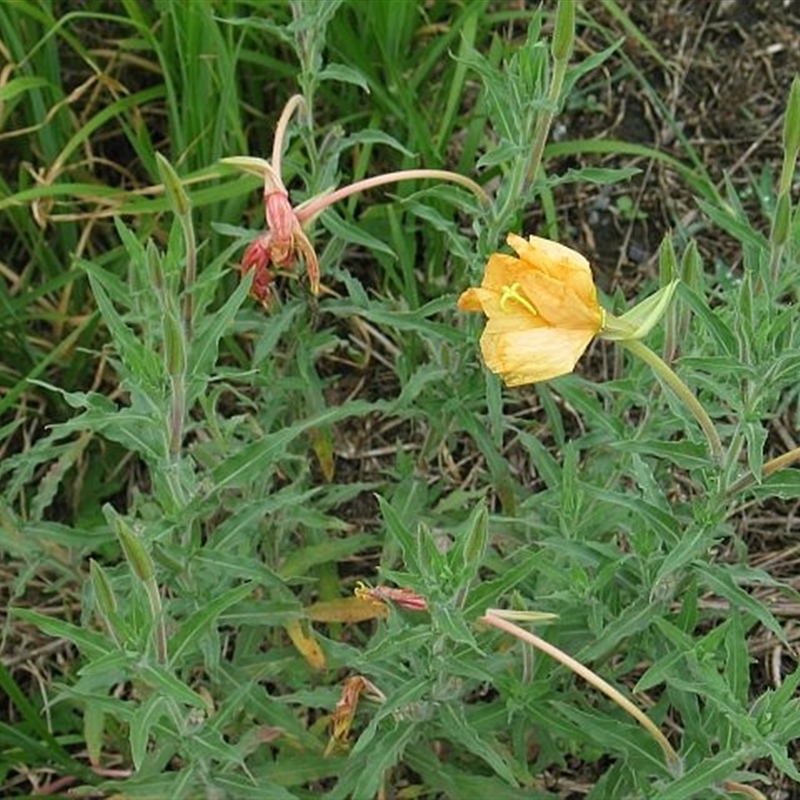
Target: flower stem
[666,373]
[159,625]
[491,618]
[562,50]
[308,210]
[295,101]
[773,465]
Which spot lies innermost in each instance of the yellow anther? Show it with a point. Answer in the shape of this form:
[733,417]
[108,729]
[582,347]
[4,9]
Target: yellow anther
[362,590]
[602,319]
[513,292]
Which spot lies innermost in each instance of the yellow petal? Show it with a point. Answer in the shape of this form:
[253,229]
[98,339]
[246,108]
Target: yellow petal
[470,300]
[509,315]
[533,355]
[558,303]
[306,643]
[502,270]
[557,261]
[346,609]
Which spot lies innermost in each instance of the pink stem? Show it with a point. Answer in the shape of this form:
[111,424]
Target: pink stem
[308,210]
[491,618]
[295,101]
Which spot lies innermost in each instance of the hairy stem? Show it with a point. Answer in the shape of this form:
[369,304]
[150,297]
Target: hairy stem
[311,208]
[295,101]
[666,373]
[772,466]
[491,618]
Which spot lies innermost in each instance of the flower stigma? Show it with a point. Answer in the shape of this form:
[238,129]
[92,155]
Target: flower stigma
[513,293]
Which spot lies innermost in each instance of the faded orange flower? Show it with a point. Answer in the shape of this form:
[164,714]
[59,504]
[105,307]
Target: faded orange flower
[405,598]
[542,310]
[345,711]
[285,238]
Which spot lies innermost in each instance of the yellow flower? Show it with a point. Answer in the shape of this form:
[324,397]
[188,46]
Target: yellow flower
[542,310]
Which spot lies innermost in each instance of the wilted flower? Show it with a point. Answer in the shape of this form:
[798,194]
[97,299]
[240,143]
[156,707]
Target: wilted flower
[405,598]
[354,687]
[285,238]
[279,246]
[542,310]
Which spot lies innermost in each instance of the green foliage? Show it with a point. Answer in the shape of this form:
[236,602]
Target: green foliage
[186,478]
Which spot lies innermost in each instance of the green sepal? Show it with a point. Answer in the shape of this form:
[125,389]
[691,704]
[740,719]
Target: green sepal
[641,319]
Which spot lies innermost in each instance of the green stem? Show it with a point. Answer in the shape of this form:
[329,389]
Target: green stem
[190,273]
[666,373]
[524,172]
[157,612]
[491,618]
[545,120]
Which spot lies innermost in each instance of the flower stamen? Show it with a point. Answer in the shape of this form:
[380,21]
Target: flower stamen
[513,293]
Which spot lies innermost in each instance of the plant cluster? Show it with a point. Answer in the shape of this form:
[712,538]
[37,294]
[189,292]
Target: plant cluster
[296,548]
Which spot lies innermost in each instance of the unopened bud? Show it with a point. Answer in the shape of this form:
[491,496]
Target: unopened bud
[791,123]
[176,194]
[781,222]
[135,553]
[564,34]
[101,585]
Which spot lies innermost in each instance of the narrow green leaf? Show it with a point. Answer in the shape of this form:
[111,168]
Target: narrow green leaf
[92,644]
[466,558]
[490,593]
[253,459]
[738,661]
[719,580]
[178,198]
[343,74]
[451,623]
[631,622]
[353,233]
[189,631]
[456,727]
[385,753]
[34,751]
[205,347]
[610,733]
[142,723]
[94,719]
[139,360]
[302,560]
[160,678]
[402,535]
[695,541]
[704,775]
